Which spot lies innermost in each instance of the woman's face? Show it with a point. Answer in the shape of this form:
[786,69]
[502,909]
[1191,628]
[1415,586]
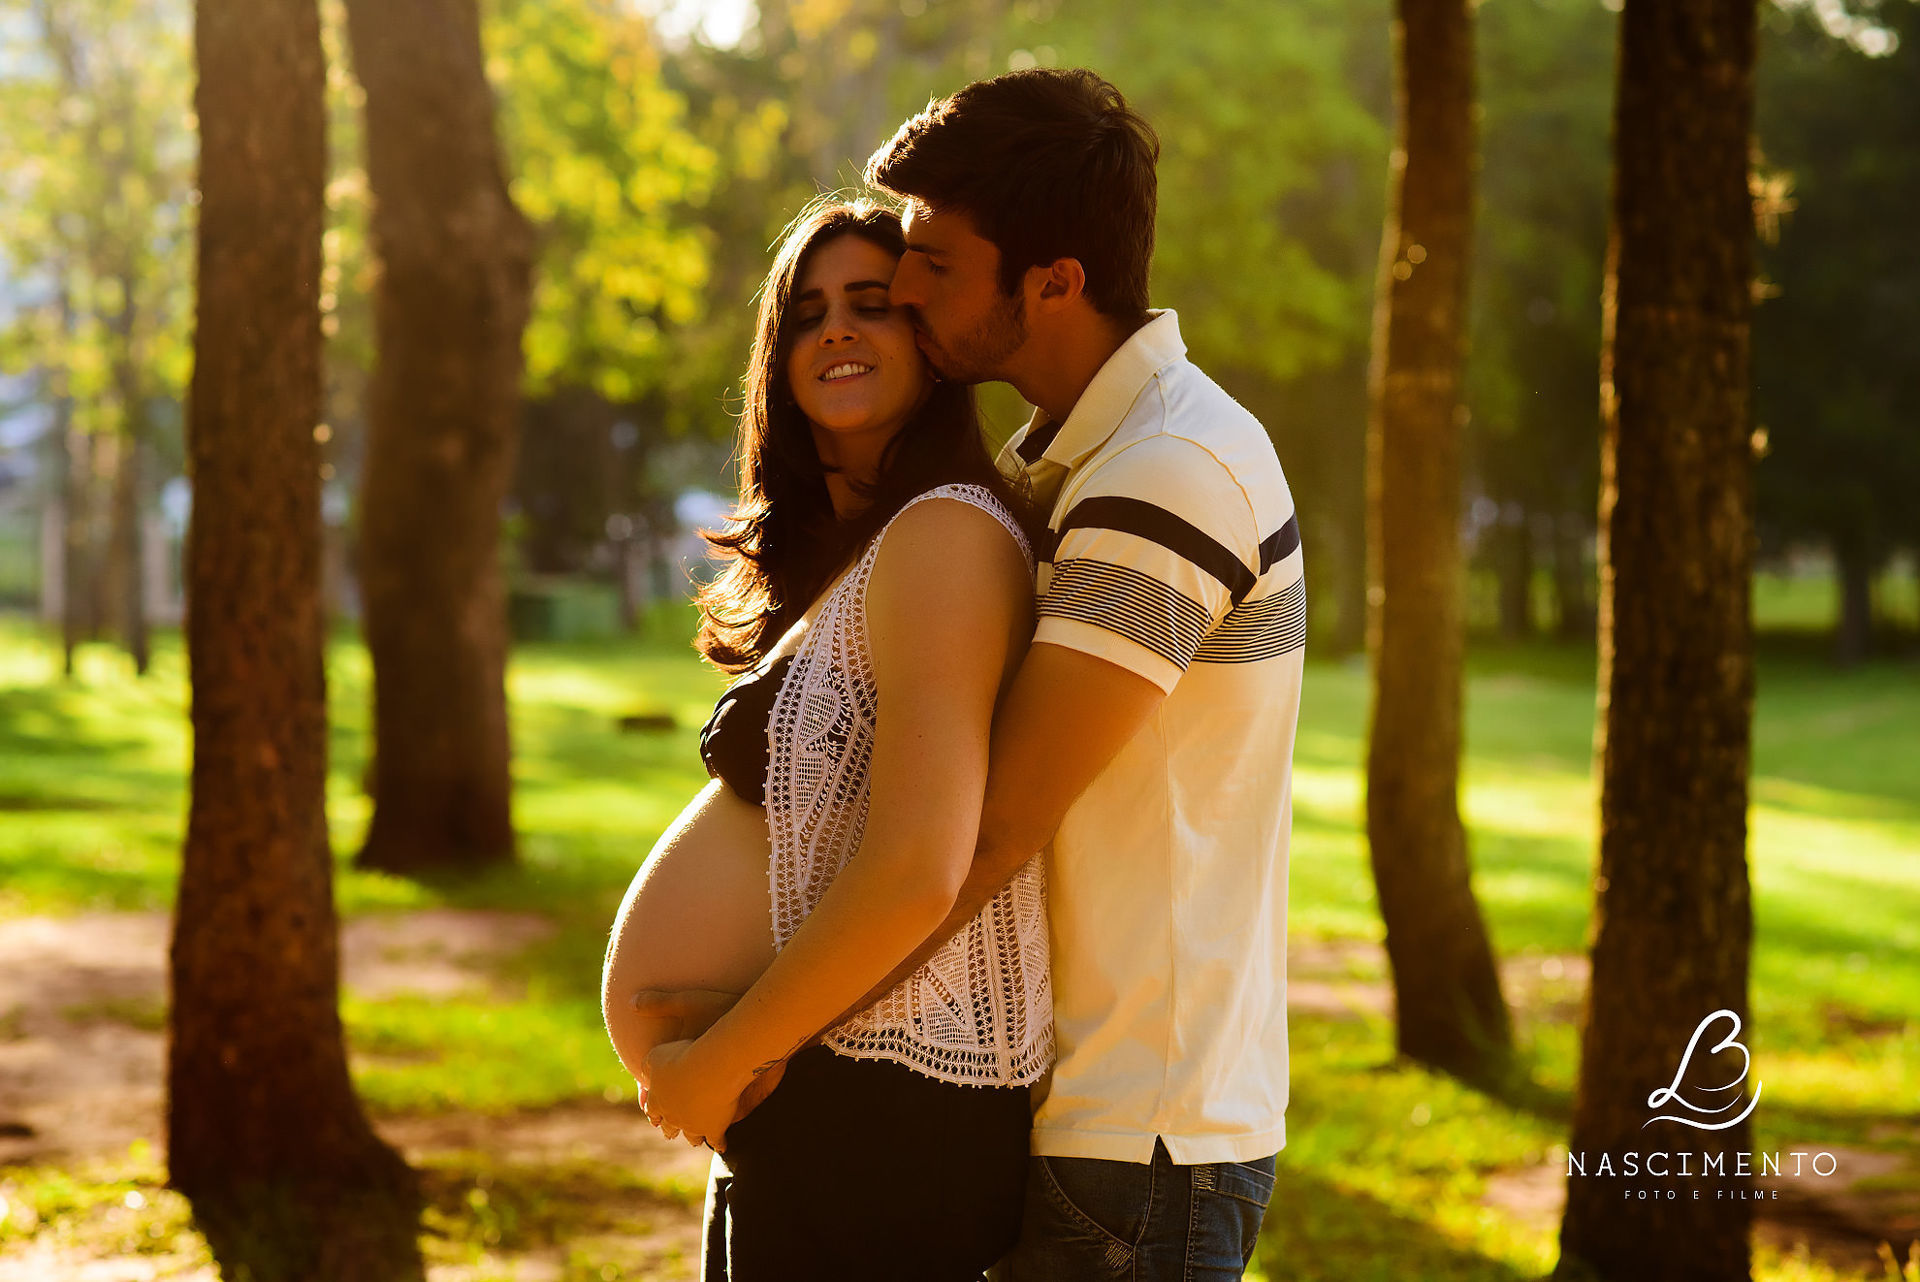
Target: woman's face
[852,364]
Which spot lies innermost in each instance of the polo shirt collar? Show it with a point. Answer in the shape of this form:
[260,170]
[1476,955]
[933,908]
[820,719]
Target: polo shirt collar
[1147,351]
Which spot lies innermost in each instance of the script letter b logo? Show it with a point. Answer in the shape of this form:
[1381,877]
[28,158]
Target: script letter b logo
[1670,1094]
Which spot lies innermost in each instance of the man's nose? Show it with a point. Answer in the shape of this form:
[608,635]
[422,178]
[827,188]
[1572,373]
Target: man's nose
[905,290]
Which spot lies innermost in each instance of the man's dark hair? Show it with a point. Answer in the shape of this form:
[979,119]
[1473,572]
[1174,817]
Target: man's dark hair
[1048,163]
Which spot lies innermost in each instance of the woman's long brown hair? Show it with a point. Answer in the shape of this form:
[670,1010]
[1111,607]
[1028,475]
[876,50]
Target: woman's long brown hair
[784,543]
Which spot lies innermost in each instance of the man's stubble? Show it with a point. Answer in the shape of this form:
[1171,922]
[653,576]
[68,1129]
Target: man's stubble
[980,355]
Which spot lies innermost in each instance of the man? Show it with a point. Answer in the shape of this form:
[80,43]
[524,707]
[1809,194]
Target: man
[1149,733]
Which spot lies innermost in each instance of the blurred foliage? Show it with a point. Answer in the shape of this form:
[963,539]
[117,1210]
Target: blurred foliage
[659,169]
[606,169]
[1270,195]
[96,178]
[1837,379]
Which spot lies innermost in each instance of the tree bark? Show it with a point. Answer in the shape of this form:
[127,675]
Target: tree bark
[1853,630]
[1513,555]
[1672,914]
[129,580]
[1449,1010]
[1572,595]
[75,469]
[129,480]
[443,414]
[1348,551]
[105,571]
[265,1137]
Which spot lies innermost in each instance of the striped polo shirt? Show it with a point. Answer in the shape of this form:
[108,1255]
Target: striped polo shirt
[1177,556]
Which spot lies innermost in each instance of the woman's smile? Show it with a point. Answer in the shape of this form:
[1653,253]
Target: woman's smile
[853,367]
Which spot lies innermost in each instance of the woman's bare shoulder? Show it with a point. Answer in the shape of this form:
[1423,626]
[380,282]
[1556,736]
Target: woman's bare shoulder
[953,542]
[948,576]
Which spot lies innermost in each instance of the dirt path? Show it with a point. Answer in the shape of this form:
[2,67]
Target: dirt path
[81,1064]
[82,1005]
[82,1060]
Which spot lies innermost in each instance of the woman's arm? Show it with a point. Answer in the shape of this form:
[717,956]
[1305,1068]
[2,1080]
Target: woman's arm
[949,609]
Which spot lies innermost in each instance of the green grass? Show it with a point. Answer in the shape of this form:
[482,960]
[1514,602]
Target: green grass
[121,1205]
[1810,602]
[92,806]
[479,1207]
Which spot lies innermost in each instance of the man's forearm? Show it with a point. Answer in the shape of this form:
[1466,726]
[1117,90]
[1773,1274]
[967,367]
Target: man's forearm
[991,870]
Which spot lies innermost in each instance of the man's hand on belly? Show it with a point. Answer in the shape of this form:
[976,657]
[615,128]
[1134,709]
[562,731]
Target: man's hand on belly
[695,1008]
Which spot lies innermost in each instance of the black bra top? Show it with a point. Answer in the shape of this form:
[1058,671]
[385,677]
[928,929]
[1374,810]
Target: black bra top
[733,743]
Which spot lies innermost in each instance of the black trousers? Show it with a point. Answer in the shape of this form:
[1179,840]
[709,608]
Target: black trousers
[864,1169]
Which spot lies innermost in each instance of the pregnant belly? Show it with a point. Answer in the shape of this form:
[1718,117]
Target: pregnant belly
[698,915]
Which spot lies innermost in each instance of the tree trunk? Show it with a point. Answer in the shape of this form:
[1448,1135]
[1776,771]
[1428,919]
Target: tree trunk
[129,579]
[1349,574]
[265,1137]
[1853,630]
[1513,557]
[1449,1009]
[129,508]
[1572,595]
[105,451]
[74,470]
[1672,916]
[443,413]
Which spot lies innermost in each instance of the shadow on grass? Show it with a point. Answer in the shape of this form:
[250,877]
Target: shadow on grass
[1316,1231]
[498,1205]
[40,731]
[1800,1125]
[1522,1091]
[129,876]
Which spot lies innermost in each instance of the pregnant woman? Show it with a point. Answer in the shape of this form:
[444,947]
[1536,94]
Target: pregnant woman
[878,600]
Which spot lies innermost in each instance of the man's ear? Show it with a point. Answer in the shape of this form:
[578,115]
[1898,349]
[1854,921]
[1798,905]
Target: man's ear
[1057,284]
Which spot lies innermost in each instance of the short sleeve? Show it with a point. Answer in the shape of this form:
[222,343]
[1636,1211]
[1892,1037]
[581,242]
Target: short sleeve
[1157,546]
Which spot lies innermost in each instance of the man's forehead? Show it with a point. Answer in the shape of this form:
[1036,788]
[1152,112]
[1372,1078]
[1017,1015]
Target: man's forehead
[946,228]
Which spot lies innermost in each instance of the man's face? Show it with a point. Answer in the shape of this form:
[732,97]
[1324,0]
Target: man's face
[949,280]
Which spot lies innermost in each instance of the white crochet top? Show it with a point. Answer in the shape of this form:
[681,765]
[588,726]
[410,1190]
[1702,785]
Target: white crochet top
[980,1012]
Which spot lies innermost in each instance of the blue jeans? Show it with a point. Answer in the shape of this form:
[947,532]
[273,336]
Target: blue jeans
[1088,1219]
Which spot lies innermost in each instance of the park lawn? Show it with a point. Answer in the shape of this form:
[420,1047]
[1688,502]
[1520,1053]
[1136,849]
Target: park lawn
[92,806]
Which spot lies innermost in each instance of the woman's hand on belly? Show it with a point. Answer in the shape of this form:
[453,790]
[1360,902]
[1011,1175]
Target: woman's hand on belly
[694,1011]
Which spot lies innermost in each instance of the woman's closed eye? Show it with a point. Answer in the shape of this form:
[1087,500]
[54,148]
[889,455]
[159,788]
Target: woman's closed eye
[806,320]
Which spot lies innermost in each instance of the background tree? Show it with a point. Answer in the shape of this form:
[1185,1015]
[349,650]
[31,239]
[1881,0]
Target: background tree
[1672,916]
[1533,440]
[97,223]
[619,182]
[1837,389]
[444,407]
[265,1136]
[1449,1008]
